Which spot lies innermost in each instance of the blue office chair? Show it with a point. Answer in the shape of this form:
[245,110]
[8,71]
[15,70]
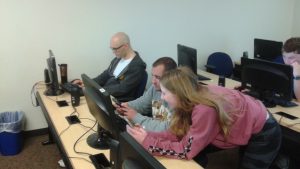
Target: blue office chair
[219,63]
[141,87]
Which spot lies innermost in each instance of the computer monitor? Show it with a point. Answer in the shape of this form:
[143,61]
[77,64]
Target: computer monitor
[100,106]
[133,155]
[268,81]
[53,88]
[267,49]
[187,56]
[109,124]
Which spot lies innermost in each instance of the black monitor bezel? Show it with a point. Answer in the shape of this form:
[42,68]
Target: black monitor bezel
[53,86]
[262,71]
[267,49]
[187,56]
[129,148]
[95,94]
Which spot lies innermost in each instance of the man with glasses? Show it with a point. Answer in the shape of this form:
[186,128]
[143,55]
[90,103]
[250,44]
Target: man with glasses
[150,104]
[125,71]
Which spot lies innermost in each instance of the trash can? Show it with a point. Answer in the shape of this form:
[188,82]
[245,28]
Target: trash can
[11,139]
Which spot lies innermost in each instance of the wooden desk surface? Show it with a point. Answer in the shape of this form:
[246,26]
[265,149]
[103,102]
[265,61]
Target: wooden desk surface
[295,111]
[69,134]
[229,83]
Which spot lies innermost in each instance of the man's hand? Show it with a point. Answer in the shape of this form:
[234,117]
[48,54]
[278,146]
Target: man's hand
[78,82]
[119,107]
[128,111]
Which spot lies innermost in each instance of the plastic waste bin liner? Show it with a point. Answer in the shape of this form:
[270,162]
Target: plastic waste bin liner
[11,125]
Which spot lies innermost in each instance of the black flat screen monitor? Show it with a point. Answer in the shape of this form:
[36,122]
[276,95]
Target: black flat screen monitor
[267,49]
[187,56]
[268,81]
[132,155]
[53,86]
[100,106]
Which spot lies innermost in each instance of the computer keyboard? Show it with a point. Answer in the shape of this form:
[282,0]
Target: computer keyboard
[70,87]
[270,102]
[200,77]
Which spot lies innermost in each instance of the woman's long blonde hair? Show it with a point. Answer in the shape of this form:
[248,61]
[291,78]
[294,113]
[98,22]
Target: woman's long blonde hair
[183,83]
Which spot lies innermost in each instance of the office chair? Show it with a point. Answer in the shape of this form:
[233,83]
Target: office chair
[219,63]
[141,87]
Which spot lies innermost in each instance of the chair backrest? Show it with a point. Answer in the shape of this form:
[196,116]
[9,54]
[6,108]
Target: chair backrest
[141,87]
[220,63]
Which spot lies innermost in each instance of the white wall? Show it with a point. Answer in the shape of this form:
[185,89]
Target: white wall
[296,20]
[78,32]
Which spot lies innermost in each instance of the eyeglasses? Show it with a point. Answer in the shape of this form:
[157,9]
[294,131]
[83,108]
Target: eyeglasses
[117,48]
[156,77]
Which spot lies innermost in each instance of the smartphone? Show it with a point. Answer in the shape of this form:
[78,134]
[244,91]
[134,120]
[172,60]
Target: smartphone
[286,115]
[116,101]
[128,122]
[62,103]
[100,161]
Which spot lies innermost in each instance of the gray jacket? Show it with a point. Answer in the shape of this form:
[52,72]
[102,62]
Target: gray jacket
[151,104]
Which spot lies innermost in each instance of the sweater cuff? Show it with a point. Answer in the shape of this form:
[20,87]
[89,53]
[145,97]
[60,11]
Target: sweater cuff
[138,118]
[147,142]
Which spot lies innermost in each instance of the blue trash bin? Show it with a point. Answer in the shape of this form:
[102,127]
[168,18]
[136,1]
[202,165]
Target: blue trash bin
[11,139]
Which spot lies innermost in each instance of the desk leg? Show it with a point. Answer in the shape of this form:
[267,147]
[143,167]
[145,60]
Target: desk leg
[50,139]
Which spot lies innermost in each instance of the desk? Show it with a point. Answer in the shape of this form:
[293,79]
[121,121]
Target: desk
[290,128]
[229,83]
[66,135]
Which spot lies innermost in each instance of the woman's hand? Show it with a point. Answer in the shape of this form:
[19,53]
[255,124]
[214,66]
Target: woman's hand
[137,132]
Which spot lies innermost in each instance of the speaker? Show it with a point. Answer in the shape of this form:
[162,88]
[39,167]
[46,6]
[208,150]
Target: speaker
[46,77]
[221,81]
[75,96]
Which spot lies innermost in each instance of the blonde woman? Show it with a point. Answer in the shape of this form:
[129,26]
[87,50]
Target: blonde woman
[211,116]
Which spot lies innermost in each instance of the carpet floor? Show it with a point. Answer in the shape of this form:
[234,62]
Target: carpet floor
[33,155]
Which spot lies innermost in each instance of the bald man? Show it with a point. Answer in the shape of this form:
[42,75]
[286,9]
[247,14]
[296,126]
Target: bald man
[125,71]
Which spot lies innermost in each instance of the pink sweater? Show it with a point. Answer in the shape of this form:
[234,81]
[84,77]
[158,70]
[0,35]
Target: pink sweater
[249,117]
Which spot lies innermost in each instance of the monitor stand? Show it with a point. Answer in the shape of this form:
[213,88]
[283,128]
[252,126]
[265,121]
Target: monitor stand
[52,92]
[98,140]
[269,103]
